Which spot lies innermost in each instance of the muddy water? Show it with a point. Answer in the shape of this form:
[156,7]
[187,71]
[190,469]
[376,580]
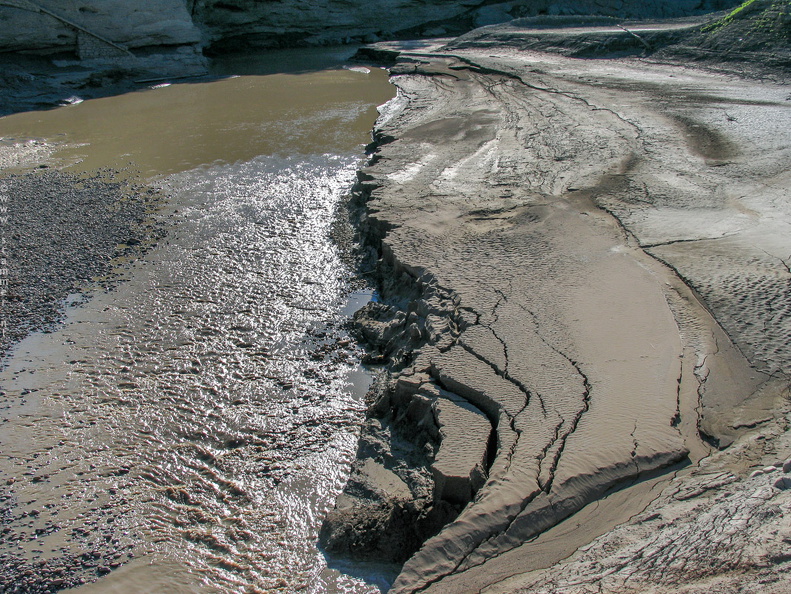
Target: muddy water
[187,430]
[173,128]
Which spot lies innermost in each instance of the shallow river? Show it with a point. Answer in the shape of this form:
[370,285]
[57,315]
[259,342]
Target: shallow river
[186,430]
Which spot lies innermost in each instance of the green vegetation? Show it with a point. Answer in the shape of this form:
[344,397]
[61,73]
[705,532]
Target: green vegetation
[738,9]
[719,24]
[767,21]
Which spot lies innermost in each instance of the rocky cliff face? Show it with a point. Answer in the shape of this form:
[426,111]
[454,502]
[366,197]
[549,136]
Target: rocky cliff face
[43,25]
[277,22]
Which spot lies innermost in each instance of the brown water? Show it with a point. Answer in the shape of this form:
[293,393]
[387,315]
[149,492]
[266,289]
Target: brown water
[189,428]
[175,128]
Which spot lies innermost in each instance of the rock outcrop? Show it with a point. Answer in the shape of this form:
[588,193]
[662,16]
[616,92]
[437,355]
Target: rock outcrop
[132,24]
[231,23]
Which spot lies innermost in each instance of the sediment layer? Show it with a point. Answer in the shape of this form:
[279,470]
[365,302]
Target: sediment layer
[596,231]
[723,528]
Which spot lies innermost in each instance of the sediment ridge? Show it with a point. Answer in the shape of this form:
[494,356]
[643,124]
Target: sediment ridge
[581,264]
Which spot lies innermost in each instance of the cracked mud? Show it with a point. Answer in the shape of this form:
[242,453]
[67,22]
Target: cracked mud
[608,259]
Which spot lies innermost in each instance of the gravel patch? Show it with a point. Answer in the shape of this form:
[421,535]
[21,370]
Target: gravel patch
[64,234]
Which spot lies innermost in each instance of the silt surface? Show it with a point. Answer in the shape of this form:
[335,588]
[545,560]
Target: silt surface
[613,238]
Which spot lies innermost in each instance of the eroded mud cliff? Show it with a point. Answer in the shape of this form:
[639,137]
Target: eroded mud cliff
[598,232]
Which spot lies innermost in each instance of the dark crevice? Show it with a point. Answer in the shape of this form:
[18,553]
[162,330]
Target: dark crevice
[522,388]
[676,420]
[586,396]
[648,246]
[510,456]
[542,456]
[502,299]
[782,261]
[635,445]
[701,377]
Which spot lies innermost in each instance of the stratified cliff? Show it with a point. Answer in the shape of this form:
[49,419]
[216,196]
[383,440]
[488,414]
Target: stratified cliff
[48,26]
[41,26]
[229,23]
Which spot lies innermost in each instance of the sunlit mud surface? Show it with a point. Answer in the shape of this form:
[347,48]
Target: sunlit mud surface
[200,417]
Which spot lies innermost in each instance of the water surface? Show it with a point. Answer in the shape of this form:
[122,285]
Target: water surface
[192,425]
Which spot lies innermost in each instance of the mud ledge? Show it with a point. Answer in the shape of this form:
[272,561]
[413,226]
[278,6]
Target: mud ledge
[414,470]
[554,292]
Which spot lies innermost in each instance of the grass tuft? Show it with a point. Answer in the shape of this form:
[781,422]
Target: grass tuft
[719,24]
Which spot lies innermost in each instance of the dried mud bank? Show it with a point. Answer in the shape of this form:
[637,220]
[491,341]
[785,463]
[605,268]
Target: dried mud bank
[723,528]
[596,257]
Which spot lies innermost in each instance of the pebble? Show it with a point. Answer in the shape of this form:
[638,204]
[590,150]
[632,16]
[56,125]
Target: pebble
[783,483]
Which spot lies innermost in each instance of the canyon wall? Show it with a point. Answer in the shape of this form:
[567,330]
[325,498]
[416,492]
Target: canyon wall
[41,27]
[47,26]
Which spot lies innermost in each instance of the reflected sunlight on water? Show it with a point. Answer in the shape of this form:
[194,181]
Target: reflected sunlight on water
[201,413]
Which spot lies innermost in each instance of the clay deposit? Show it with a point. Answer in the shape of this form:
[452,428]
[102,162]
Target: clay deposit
[596,256]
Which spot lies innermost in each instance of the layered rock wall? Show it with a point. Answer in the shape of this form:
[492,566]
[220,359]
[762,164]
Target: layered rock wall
[227,24]
[24,27]
[230,22]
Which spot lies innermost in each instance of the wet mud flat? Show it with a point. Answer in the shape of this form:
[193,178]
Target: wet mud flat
[90,406]
[589,255]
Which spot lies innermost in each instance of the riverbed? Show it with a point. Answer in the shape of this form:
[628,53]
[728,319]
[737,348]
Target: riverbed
[193,415]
